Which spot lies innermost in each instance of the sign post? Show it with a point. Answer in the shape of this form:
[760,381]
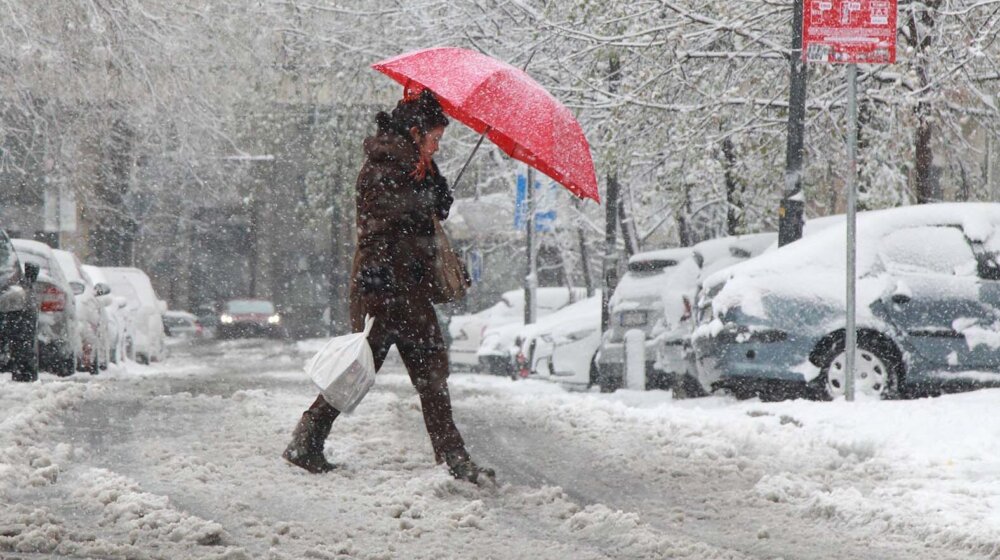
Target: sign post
[850,32]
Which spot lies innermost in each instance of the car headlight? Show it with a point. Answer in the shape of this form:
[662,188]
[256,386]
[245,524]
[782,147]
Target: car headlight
[225,319]
[274,319]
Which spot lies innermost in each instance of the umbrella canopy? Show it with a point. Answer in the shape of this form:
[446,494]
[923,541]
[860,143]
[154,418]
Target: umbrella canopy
[508,106]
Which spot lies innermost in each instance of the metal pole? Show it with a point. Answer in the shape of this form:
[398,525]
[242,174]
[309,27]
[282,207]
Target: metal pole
[610,262]
[850,346]
[531,277]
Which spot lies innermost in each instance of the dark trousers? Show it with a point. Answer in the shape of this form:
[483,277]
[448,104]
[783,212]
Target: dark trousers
[411,325]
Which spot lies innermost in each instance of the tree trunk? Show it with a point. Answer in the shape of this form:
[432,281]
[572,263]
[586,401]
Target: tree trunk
[734,194]
[924,156]
[926,187]
[629,235]
[683,231]
[790,213]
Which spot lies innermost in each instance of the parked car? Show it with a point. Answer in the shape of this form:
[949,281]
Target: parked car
[494,352]
[113,308]
[673,366]
[637,305]
[181,324]
[18,314]
[58,334]
[562,347]
[928,302]
[208,318]
[91,317]
[466,331]
[145,337]
[249,317]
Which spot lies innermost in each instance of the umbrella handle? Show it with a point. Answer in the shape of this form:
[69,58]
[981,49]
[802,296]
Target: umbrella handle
[454,185]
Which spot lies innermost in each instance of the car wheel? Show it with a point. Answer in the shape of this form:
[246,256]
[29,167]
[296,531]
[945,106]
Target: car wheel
[687,387]
[609,379]
[142,358]
[594,373]
[878,370]
[65,366]
[26,361]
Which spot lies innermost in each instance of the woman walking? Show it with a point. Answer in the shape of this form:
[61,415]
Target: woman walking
[399,193]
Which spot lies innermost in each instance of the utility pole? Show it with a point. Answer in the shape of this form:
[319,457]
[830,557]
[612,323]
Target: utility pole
[790,217]
[531,276]
[610,262]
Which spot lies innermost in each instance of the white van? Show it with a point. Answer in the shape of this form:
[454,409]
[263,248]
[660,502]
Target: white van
[144,310]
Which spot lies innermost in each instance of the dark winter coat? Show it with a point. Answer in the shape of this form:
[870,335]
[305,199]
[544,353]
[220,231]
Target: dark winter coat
[395,213]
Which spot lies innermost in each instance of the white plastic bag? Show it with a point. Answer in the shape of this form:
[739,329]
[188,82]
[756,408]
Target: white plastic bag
[344,369]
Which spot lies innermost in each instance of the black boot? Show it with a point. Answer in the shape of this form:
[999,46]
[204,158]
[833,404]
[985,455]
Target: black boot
[462,467]
[306,447]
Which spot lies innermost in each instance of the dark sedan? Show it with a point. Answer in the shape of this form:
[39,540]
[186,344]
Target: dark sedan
[18,314]
[248,318]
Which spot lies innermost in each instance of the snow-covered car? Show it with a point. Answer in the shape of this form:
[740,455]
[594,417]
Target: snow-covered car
[58,334]
[18,314]
[498,336]
[562,347]
[113,307]
[465,332]
[91,317]
[144,312]
[928,309]
[671,335]
[181,324]
[636,305]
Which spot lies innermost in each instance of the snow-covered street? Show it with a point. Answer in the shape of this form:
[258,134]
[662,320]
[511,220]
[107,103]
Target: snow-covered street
[181,459]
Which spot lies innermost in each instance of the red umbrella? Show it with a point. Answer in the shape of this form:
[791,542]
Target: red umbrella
[507,106]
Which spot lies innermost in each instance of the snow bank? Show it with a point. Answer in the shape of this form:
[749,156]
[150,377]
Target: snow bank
[928,468]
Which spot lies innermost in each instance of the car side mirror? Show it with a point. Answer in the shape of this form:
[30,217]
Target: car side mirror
[102,289]
[31,272]
[78,288]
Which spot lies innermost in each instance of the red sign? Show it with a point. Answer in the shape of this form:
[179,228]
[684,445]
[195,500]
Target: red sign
[849,31]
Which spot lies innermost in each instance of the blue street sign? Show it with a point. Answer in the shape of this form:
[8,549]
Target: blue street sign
[475,265]
[545,201]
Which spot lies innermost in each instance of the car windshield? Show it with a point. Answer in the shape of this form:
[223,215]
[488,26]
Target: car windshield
[121,287]
[40,260]
[651,266]
[240,306]
[171,321]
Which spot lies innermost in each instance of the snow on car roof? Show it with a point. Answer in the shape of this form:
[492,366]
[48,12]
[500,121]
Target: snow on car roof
[574,317]
[796,267]
[827,248]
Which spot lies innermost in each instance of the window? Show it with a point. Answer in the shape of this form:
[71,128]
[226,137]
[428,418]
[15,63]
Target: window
[928,250]
[241,306]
